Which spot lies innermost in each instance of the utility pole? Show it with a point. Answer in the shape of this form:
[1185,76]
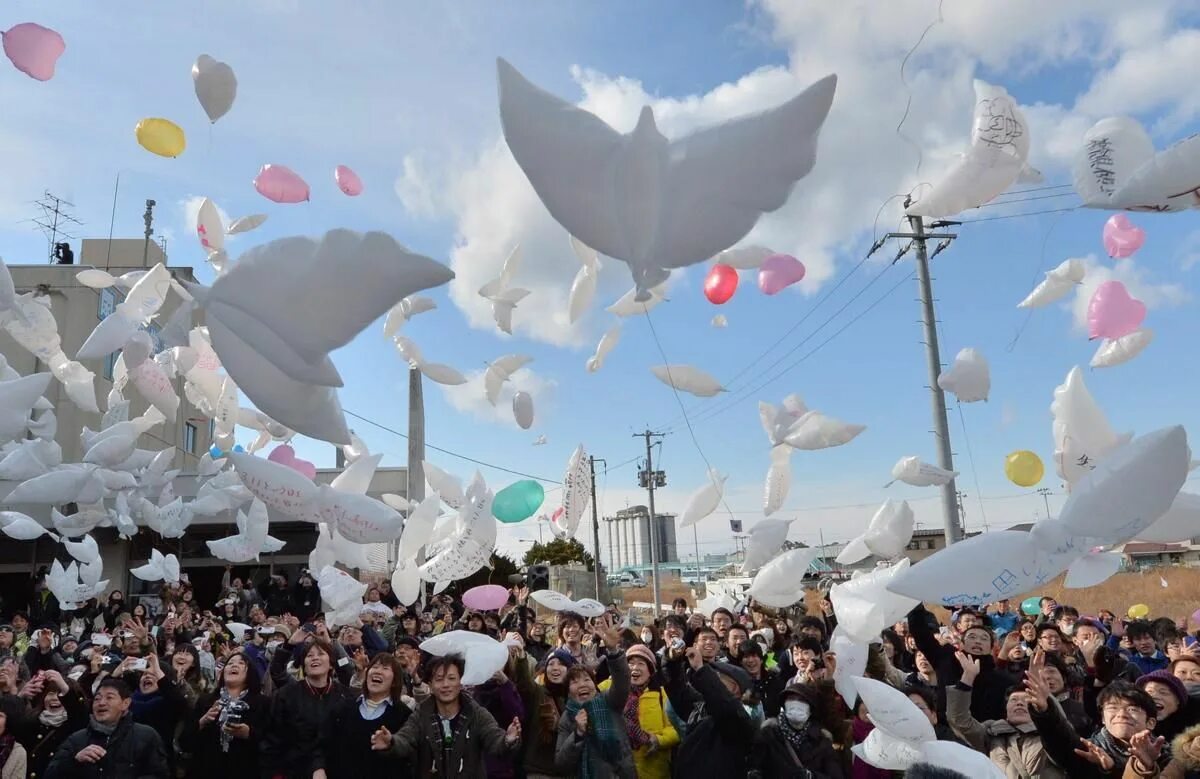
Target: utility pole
[595,522]
[696,542]
[941,427]
[148,218]
[1045,493]
[651,479]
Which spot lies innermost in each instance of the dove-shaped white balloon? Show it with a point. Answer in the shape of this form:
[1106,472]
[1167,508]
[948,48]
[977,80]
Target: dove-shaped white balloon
[17,399]
[703,501]
[503,296]
[687,378]
[244,224]
[912,470]
[142,302]
[583,288]
[22,527]
[448,487]
[434,371]
[1058,283]
[500,370]
[649,201]
[968,378]
[247,543]
[85,550]
[402,312]
[275,316]
[886,536]
[160,567]
[608,342]
[766,539]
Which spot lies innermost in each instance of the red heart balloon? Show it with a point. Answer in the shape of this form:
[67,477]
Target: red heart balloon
[720,283]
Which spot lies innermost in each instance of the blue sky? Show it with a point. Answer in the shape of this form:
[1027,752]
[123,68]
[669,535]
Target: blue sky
[404,93]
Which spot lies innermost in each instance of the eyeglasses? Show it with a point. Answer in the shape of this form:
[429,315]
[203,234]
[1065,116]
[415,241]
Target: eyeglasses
[1129,709]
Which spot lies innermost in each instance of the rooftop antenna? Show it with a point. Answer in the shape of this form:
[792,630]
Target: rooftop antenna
[56,221]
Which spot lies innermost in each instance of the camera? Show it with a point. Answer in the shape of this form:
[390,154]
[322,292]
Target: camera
[138,665]
[677,644]
[235,712]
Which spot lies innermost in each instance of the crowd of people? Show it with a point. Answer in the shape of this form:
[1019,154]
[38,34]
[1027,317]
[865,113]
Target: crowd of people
[260,685]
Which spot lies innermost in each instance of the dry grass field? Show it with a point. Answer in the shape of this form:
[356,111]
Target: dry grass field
[1181,596]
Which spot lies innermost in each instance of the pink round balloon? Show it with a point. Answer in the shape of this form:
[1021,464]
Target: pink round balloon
[778,272]
[286,455]
[348,181]
[485,597]
[34,49]
[1122,237]
[1112,313]
[281,184]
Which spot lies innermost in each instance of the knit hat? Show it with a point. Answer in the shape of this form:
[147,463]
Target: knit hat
[1091,622]
[1167,678]
[563,656]
[733,672]
[642,651]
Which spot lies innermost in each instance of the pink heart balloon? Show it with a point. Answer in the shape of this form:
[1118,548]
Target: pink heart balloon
[34,49]
[286,455]
[348,181]
[486,597]
[281,184]
[1112,313]
[1122,237]
[778,272]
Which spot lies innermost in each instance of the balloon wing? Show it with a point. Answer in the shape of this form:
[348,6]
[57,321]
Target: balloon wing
[703,501]
[483,654]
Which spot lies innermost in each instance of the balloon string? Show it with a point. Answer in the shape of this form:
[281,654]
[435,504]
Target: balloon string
[1037,270]
[908,88]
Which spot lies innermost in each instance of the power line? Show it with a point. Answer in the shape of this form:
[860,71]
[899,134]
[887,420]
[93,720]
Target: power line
[1018,216]
[999,202]
[483,463]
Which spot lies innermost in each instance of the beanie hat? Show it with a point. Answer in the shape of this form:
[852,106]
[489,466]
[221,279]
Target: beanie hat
[642,651]
[1167,678]
[563,656]
[733,672]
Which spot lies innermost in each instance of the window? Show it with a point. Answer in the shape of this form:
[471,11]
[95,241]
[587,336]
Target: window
[189,437]
[110,364]
[929,545]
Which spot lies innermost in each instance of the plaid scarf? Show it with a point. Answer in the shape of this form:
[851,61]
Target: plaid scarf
[223,717]
[603,734]
[633,722]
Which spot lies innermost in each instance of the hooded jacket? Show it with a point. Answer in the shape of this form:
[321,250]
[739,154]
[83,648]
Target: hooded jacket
[1185,761]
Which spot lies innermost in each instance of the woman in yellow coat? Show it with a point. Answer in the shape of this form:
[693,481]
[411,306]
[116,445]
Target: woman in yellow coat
[651,735]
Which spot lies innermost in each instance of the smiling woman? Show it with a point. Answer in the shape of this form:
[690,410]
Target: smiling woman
[345,750]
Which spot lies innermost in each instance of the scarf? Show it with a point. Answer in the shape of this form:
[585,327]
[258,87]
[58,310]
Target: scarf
[794,737]
[6,747]
[223,717]
[602,734]
[102,728]
[52,719]
[633,722]
[1120,752]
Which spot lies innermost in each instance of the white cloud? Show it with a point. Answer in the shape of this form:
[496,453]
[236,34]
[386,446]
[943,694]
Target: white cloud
[471,398]
[421,187]
[1136,279]
[1188,254]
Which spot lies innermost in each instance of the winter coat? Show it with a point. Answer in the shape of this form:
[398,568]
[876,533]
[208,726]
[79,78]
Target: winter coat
[306,602]
[1185,760]
[504,704]
[988,694]
[16,765]
[475,734]
[652,717]
[345,747]
[769,688]
[772,759]
[204,743]
[571,746]
[1060,741]
[132,751]
[1016,749]
[540,730]
[719,732]
[41,741]
[162,711]
[297,717]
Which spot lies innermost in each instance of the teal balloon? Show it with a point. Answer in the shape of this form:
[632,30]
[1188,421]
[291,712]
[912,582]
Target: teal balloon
[1031,605]
[518,501]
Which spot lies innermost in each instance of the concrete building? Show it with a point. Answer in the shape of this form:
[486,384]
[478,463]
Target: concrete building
[78,309]
[629,538]
[925,542]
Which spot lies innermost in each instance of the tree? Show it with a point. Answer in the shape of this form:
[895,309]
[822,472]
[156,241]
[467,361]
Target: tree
[560,551]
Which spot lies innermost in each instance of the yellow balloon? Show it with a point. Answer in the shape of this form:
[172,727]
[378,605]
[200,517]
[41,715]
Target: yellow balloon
[1138,611]
[1024,468]
[160,136]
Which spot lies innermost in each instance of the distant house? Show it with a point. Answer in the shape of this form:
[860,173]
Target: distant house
[1144,554]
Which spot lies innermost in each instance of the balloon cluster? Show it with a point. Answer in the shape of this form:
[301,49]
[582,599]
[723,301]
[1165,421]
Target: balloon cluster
[776,273]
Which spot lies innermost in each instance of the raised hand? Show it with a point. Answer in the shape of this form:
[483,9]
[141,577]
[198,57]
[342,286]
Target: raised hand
[513,734]
[581,723]
[608,631]
[1146,749]
[1095,755]
[693,657]
[970,668]
[211,715]
[381,740]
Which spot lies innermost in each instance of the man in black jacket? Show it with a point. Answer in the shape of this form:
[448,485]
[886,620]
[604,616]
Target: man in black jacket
[720,733]
[988,695]
[112,746]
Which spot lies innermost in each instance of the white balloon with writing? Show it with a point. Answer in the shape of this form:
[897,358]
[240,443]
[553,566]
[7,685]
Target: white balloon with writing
[1118,168]
[1082,435]
[912,470]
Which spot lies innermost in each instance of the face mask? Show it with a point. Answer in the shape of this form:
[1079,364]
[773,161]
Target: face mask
[797,712]
[1193,689]
[647,638]
[273,645]
[1067,627]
